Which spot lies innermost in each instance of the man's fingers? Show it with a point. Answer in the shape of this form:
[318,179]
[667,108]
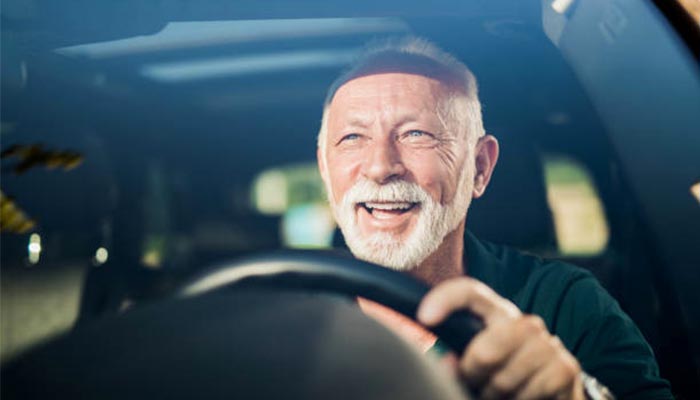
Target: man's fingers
[487,352]
[496,354]
[464,293]
[514,354]
[557,380]
[521,366]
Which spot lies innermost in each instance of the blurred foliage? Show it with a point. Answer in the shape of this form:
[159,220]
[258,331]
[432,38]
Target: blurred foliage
[278,189]
[34,155]
[563,170]
[579,217]
[12,218]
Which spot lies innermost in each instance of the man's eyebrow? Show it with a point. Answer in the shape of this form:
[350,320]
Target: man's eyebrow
[357,121]
[405,119]
[420,118]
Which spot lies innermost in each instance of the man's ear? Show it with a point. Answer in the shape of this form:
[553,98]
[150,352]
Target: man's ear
[485,157]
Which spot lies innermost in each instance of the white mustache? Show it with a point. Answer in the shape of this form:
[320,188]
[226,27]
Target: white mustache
[367,191]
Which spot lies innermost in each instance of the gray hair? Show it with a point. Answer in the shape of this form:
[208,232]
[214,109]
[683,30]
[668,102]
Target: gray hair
[416,55]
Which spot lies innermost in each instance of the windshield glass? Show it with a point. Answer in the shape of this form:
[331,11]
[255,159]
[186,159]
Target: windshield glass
[133,156]
[193,167]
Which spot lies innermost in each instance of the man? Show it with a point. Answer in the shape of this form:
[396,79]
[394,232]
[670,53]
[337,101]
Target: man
[402,151]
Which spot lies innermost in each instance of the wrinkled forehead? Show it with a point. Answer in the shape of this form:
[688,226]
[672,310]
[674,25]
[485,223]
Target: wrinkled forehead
[395,87]
[400,63]
[393,98]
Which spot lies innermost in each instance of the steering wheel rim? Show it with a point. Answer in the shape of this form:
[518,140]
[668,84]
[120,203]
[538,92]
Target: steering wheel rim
[242,341]
[329,271]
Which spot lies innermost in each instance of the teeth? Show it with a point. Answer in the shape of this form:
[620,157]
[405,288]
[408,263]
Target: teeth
[389,206]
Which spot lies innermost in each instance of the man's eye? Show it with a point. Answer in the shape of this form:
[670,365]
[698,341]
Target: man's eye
[417,136]
[349,137]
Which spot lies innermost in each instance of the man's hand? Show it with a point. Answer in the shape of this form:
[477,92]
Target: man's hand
[514,356]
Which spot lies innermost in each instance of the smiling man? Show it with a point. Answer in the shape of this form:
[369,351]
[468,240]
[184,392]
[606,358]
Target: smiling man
[402,151]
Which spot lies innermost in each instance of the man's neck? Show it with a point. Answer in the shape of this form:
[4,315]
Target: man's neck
[446,262]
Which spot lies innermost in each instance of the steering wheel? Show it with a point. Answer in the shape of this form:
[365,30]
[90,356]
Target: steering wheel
[330,271]
[279,334]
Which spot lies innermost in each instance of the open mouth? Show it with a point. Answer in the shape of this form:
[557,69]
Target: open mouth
[387,209]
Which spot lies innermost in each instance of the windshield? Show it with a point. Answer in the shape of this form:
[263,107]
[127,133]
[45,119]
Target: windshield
[135,156]
[192,163]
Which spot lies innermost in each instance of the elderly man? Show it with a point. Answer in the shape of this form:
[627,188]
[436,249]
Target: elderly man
[402,151]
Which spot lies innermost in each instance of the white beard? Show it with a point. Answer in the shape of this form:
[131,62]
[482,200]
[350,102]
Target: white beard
[435,221]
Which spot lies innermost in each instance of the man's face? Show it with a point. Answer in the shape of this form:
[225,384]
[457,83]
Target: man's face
[395,167]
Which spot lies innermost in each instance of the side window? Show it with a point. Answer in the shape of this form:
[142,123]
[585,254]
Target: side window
[296,193]
[581,228]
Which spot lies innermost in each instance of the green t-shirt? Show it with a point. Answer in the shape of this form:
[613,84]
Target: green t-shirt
[577,309]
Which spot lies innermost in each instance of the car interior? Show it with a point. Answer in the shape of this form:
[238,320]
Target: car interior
[142,144]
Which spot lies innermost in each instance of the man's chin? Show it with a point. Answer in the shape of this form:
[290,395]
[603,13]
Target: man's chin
[385,250]
[387,262]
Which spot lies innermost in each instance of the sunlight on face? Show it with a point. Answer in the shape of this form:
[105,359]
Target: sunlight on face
[396,167]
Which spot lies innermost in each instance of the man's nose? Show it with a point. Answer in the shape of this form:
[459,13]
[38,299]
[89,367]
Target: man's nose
[383,161]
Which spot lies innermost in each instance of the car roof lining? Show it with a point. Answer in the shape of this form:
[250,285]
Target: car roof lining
[57,23]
